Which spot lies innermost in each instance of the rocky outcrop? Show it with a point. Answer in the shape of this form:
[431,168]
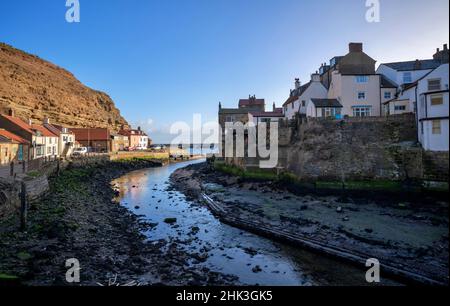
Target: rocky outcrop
[35,89]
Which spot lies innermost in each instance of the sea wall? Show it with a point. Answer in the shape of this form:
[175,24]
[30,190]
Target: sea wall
[374,148]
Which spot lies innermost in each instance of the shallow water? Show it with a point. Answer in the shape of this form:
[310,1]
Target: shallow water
[230,250]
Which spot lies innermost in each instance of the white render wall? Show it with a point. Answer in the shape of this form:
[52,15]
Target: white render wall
[426,112]
[397,76]
[315,90]
[345,89]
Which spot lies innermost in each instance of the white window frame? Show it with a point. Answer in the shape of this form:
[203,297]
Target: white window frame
[362,79]
[437,86]
[407,80]
[388,95]
[361,95]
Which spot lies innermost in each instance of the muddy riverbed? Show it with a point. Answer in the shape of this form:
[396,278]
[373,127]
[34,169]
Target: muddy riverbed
[409,234]
[182,221]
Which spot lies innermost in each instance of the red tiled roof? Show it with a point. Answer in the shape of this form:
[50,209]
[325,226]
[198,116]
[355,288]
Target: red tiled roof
[250,102]
[130,132]
[267,114]
[91,134]
[13,137]
[23,125]
[45,132]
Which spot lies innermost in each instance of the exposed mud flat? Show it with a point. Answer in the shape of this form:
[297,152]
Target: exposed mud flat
[79,219]
[411,235]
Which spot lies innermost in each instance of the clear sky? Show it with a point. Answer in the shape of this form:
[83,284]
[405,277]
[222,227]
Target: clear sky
[163,60]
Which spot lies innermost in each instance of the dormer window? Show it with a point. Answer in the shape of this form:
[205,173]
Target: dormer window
[434,84]
[407,77]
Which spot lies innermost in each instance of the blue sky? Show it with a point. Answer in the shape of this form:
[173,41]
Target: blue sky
[161,61]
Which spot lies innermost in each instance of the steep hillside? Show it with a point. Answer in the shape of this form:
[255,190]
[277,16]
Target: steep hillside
[35,89]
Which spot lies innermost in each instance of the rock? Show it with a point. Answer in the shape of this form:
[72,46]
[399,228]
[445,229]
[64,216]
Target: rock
[339,209]
[368,230]
[136,207]
[256,269]
[170,220]
[304,207]
[345,219]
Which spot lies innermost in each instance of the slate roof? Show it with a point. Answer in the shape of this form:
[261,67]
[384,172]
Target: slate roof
[386,83]
[234,110]
[412,65]
[296,93]
[326,103]
[267,114]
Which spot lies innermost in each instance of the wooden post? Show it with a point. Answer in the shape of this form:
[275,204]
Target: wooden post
[57,167]
[23,207]
[11,172]
[24,166]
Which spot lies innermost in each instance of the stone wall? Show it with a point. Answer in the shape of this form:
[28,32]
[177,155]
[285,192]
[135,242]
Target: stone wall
[354,149]
[9,198]
[374,148]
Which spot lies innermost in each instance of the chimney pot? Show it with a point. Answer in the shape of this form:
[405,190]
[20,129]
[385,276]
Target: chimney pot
[355,47]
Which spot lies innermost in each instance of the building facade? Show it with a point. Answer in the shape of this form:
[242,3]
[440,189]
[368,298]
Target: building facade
[433,109]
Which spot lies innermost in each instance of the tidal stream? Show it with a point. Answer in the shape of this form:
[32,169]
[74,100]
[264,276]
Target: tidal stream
[253,259]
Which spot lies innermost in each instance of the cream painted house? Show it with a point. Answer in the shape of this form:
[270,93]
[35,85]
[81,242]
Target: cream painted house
[355,85]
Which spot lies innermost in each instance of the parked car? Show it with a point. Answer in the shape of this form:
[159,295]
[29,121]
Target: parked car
[156,147]
[80,151]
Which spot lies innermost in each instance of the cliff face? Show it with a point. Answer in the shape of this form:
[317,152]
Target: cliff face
[36,89]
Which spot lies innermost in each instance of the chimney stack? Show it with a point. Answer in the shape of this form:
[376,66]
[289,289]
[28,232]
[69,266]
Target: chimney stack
[46,120]
[274,107]
[11,112]
[445,47]
[220,105]
[355,47]
[30,122]
[297,83]
[315,77]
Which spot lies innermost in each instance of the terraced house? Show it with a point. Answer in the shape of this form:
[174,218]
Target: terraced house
[43,143]
[13,148]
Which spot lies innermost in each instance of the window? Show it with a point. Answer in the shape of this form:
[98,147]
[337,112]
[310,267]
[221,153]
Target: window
[65,138]
[330,112]
[49,150]
[361,111]
[407,77]
[387,95]
[361,95]
[434,84]
[292,105]
[303,103]
[400,107]
[362,79]
[436,126]
[437,100]
[229,119]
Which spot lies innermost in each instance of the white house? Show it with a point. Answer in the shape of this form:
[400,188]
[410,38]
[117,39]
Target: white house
[259,116]
[433,109]
[405,76]
[296,103]
[66,141]
[323,108]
